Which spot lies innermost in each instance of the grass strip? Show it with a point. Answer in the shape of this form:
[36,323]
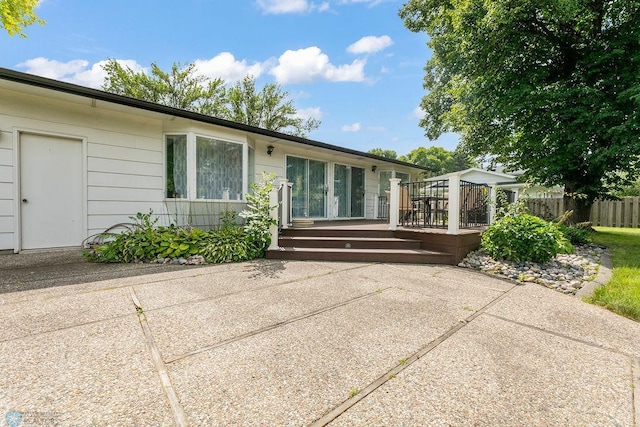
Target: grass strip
[622,294]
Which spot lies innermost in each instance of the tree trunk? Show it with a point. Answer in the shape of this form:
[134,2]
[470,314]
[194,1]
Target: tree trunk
[581,208]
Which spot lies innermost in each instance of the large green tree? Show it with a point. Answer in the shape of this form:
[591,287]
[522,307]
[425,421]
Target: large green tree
[17,14]
[182,87]
[548,86]
[268,108]
[388,154]
[439,160]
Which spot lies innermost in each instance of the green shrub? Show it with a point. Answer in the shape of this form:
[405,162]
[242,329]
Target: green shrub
[226,244]
[143,241]
[258,215]
[576,234]
[524,237]
[146,242]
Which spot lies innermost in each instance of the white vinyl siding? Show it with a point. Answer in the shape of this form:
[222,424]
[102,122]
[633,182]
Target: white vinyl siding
[6,191]
[123,181]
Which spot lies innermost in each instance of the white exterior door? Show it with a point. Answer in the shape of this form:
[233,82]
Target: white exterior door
[51,192]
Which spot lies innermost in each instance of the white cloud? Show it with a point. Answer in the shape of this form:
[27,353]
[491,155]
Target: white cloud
[225,66]
[309,113]
[384,70]
[417,113]
[354,127]
[371,3]
[307,65]
[284,6]
[75,71]
[278,7]
[370,44]
[53,69]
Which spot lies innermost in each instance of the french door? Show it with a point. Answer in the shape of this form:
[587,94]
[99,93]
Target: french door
[309,192]
[348,191]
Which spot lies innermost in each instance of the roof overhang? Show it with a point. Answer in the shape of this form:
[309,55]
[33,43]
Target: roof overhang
[39,82]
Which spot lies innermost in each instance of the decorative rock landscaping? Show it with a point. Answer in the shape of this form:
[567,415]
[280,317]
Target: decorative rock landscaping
[565,273]
[192,260]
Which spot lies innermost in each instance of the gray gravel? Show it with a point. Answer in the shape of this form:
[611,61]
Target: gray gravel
[566,273]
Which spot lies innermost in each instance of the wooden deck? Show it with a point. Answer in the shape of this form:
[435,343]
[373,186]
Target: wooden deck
[372,241]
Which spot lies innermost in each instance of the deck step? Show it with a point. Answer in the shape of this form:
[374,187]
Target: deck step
[413,256]
[326,232]
[348,242]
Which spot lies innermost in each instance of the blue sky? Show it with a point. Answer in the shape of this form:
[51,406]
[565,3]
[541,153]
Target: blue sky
[350,63]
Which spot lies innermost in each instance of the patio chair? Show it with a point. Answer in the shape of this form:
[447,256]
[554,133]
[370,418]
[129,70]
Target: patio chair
[473,206]
[407,206]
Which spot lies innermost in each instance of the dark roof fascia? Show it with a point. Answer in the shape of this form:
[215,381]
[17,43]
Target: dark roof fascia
[73,89]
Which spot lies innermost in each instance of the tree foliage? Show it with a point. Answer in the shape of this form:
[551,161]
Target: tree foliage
[183,88]
[548,86]
[439,160]
[17,14]
[179,88]
[631,190]
[268,108]
[387,154]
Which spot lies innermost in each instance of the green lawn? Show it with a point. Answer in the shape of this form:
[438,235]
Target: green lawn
[622,294]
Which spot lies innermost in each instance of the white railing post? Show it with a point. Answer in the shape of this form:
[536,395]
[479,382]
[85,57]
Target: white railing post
[394,203]
[273,229]
[285,186]
[376,201]
[493,201]
[454,204]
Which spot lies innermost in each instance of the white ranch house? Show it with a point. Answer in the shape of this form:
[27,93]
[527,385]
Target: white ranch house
[75,161]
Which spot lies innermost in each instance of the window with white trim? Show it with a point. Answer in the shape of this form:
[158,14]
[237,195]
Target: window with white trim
[176,163]
[204,168]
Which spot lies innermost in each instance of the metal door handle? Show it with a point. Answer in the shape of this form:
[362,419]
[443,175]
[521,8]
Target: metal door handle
[25,201]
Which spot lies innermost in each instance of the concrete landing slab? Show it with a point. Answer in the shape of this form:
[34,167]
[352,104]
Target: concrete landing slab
[228,279]
[293,374]
[49,313]
[564,314]
[495,373]
[96,374]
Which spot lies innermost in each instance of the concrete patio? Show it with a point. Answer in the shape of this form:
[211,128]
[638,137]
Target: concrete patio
[275,343]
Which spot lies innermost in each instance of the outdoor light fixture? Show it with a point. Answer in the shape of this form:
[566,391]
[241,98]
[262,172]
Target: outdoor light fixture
[373,168]
[270,149]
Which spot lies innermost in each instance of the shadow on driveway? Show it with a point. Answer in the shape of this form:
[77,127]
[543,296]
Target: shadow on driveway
[38,270]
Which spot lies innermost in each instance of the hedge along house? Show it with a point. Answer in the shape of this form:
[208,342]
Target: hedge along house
[74,161]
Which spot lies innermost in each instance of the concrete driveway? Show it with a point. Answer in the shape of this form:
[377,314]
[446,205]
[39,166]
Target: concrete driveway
[275,343]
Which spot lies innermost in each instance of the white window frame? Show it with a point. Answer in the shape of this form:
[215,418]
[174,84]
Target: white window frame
[328,186]
[192,164]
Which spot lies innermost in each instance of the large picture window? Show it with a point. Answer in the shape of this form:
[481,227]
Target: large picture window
[198,167]
[218,169]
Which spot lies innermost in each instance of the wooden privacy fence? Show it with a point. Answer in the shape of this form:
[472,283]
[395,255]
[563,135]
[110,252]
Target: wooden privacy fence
[605,213]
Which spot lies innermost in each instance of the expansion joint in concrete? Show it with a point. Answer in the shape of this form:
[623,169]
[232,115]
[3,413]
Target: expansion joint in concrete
[391,374]
[178,413]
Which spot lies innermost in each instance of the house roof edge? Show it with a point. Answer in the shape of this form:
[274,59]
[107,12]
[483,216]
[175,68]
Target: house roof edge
[73,89]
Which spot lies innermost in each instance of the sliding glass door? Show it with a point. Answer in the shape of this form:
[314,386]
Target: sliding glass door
[348,191]
[309,190]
